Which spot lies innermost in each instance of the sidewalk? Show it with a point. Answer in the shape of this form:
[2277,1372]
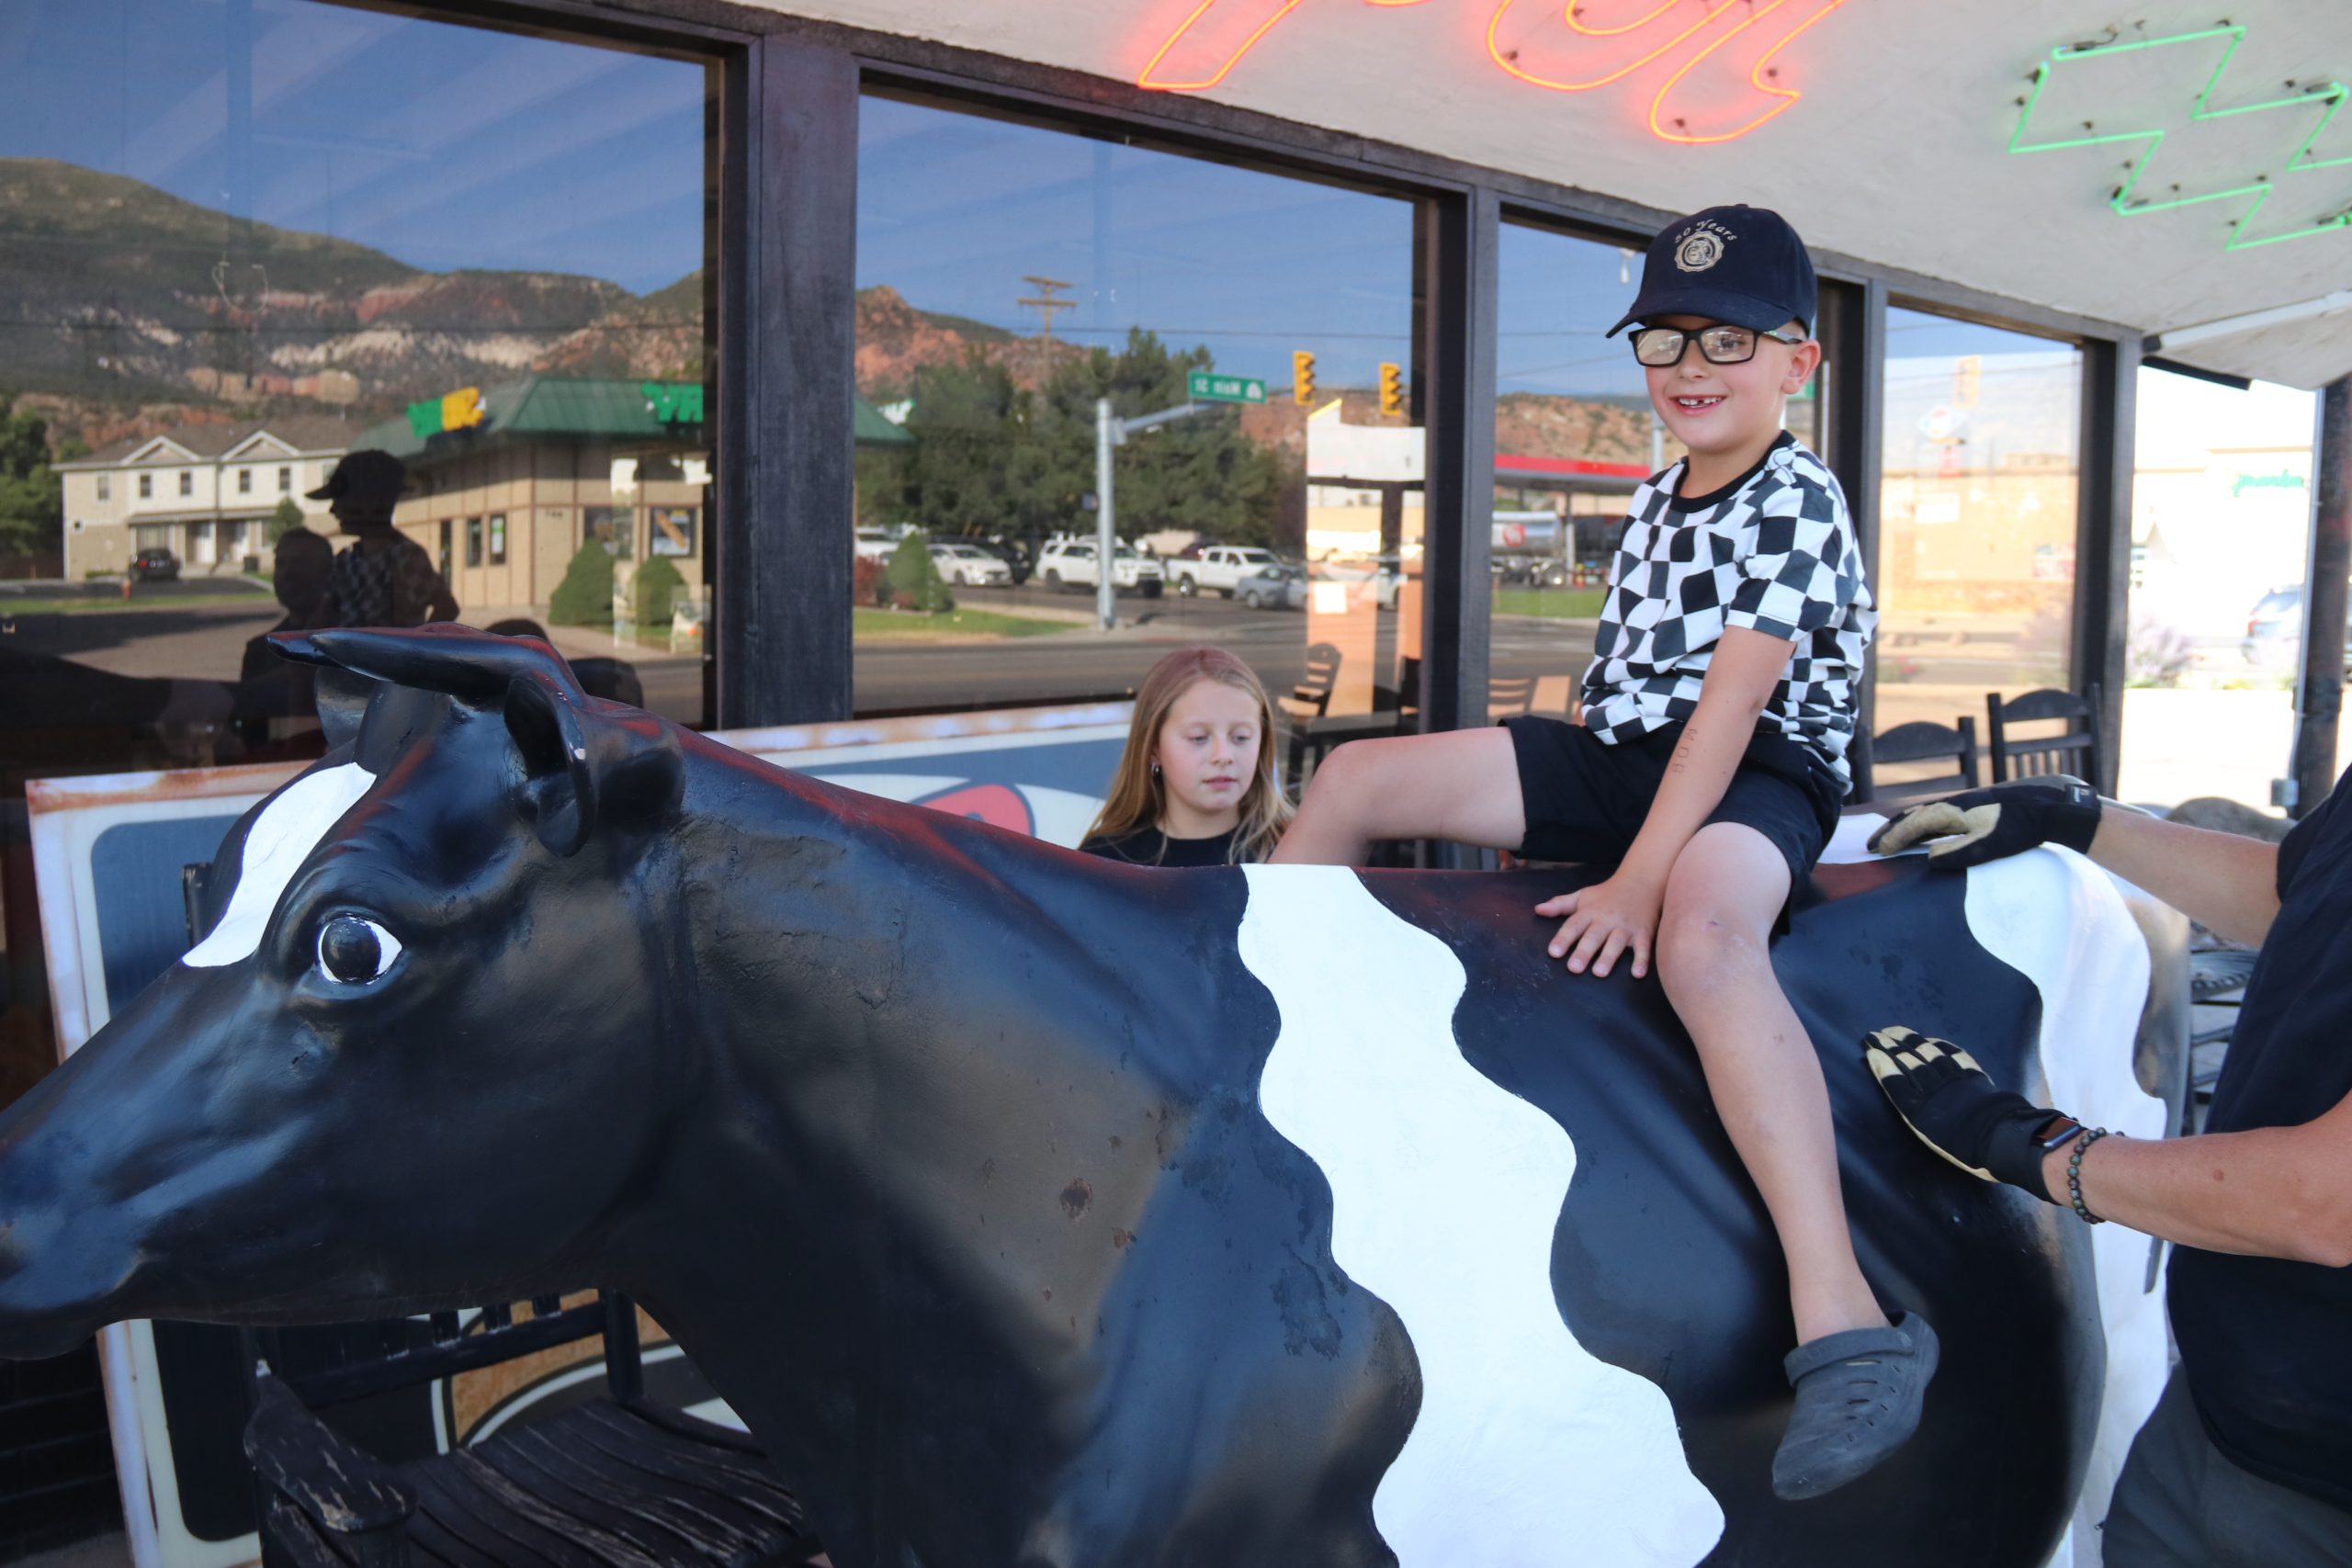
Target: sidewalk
[2179,744]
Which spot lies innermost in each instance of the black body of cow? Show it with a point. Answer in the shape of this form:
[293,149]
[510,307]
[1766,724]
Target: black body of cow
[940,1150]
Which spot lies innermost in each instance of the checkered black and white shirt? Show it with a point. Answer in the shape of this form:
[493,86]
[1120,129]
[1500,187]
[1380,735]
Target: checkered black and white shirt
[1775,553]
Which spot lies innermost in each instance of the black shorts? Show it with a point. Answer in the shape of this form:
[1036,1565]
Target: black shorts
[1586,799]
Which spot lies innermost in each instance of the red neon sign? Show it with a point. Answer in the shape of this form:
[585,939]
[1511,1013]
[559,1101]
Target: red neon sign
[1724,85]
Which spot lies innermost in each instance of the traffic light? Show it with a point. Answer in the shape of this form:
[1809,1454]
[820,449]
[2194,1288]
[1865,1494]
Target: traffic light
[1391,389]
[1302,379]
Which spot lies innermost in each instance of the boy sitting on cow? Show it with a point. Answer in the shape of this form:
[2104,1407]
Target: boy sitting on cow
[1708,771]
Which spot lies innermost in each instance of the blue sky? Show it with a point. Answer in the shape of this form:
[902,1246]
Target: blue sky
[453,147]
[444,146]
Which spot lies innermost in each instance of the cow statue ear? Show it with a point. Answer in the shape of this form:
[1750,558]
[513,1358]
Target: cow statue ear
[613,768]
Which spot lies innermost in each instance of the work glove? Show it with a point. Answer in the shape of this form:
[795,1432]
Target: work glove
[1978,825]
[1955,1109]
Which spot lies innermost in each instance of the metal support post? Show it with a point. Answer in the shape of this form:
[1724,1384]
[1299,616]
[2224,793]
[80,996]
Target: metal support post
[2319,698]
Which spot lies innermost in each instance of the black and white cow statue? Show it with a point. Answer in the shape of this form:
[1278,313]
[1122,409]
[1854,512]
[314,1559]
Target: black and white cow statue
[1037,1211]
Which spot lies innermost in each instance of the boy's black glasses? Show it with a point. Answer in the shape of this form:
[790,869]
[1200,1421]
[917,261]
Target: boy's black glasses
[1717,344]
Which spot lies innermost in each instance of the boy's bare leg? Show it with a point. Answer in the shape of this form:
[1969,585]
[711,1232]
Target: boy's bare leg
[1462,785]
[1721,902]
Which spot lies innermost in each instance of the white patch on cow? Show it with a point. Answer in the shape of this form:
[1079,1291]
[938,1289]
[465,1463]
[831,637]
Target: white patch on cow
[1445,1191]
[281,839]
[2059,920]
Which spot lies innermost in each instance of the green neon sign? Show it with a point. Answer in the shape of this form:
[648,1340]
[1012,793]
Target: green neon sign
[2283,480]
[2329,96]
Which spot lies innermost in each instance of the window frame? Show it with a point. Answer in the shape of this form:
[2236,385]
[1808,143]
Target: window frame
[783,177]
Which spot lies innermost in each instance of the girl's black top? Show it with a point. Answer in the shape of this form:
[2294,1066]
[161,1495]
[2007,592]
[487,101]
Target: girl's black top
[1149,846]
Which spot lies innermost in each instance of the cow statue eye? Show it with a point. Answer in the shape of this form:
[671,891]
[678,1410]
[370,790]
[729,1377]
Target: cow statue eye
[355,950]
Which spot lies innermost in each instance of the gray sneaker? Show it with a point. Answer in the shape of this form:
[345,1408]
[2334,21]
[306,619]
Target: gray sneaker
[1859,1396]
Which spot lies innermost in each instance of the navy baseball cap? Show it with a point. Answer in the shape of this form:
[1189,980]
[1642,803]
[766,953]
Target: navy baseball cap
[1740,265]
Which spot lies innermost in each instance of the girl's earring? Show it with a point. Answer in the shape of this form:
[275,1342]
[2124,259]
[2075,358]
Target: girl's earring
[1155,770]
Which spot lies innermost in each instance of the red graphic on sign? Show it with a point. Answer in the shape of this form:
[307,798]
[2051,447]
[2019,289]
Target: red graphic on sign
[1725,82]
[999,805]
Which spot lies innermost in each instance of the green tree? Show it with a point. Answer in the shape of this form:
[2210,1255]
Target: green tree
[285,520]
[915,575]
[584,597]
[990,457]
[654,592]
[32,499]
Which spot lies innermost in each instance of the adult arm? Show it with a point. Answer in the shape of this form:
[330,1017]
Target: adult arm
[2225,881]
[2269,1192]
[1621,915]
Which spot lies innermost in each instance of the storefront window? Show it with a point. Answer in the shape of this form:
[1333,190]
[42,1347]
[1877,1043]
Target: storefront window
[240,241]
[1010,277]
[1976,516]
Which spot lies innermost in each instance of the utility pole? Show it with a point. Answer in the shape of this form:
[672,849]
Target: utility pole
[1110,431]
[1107,434]
[1045,302]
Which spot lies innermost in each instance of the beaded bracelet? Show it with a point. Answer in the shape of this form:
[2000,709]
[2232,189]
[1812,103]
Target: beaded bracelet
[2075,1172]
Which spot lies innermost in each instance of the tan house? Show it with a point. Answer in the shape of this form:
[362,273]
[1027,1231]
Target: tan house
[507,482]
[203,491]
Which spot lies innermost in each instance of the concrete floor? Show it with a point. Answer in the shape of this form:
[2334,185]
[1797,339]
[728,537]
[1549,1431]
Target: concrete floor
[101,1551]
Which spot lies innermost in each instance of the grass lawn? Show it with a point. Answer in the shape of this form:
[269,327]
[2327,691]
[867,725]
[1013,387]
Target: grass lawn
[905,625]
[112,605]
[1564,603]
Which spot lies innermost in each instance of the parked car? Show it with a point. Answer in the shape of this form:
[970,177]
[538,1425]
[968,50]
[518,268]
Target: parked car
[876,543]
[969,566]
[1276,587]
[157,565]
[1069,563]
[1219,566]
[2274,631]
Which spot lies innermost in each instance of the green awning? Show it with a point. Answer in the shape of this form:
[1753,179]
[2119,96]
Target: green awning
[553,408]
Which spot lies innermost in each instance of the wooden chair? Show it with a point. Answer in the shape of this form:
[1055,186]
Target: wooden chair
[1507,694]
[1923,741]
[610,1480]
[2073,749]
[1308,701]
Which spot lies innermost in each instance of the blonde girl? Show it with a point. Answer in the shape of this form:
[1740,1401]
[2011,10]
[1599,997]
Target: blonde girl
[1196,783]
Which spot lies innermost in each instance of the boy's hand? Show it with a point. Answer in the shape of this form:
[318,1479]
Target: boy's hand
[1604,921]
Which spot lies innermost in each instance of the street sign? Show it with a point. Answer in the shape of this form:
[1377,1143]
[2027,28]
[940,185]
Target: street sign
[1213,388]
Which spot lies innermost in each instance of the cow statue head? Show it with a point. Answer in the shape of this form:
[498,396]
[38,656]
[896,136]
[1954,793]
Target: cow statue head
[414,941]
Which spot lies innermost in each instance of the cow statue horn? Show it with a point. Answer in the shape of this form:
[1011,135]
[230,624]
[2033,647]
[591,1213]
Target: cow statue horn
[584,761]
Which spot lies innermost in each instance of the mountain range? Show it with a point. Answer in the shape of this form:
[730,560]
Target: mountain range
[125,310]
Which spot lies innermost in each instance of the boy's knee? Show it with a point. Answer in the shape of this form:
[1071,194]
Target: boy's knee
[1706,946]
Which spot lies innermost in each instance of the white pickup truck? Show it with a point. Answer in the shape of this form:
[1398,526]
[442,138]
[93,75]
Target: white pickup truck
[1219,567]
[1070,564]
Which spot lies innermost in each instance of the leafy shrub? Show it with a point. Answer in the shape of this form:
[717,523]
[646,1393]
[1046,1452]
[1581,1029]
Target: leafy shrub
[914,577]
[2156,654]
[584,597]
[654,590]
[869,582]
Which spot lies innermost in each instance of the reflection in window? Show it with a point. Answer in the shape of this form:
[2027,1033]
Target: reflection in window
[1977,516]
[1009,278]
[390,234]
[1573,436]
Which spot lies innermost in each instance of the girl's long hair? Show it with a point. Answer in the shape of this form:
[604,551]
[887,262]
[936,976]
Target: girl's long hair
[1139,797]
